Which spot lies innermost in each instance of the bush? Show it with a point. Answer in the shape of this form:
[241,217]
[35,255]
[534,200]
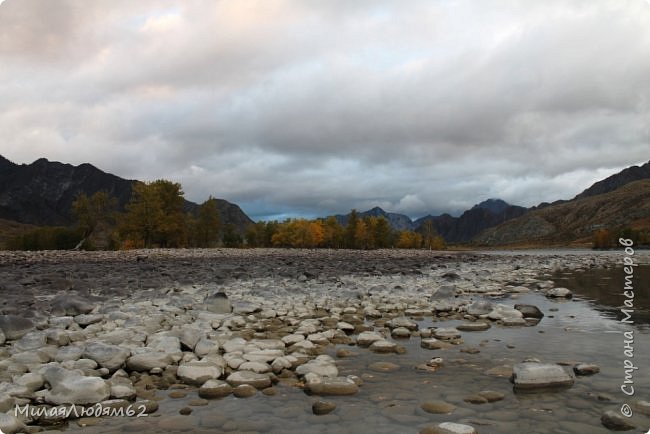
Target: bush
[47,238]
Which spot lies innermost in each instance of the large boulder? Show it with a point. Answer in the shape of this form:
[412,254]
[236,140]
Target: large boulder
[72,387]
[14,326]
[110,357]
[531,376]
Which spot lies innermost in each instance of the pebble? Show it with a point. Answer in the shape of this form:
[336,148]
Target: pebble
[323,407]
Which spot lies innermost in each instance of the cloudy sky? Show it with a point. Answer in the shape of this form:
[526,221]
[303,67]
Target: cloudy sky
[315,107]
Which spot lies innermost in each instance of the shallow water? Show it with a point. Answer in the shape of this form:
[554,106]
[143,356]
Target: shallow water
[583,329]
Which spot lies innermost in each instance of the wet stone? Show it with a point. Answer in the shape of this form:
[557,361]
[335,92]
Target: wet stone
[614,421]
[438,407]
[323,407]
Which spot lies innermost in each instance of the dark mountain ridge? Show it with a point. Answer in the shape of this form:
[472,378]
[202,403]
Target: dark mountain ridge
[42,193]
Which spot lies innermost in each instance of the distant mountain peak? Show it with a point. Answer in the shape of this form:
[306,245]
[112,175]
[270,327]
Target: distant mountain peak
[617,180]
[494,205]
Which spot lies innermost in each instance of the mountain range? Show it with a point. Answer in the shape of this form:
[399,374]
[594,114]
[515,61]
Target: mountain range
[41,194]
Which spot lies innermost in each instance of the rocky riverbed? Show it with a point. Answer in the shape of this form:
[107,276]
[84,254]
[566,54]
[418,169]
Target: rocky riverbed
[309,341]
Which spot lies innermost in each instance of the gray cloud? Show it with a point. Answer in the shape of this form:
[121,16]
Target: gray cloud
[311,108]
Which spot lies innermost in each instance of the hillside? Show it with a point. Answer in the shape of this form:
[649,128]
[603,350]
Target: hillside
[576,220]
[611,183]
[42,193]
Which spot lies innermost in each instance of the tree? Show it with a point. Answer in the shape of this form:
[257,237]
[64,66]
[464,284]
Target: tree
[409,240]
[382,233]
[333,235]
[351,229]
[361,240]
[430,237]
[231,237]
[94,214]
[155,215]
[206,224]
[602,239]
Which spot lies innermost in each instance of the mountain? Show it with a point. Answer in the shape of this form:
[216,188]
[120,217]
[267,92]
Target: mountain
[611,183]
[472,222]
[453,229]
[398,222]
[576,220]
[42,193]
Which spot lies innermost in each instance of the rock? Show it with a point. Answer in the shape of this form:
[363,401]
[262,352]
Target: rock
[438,407]
[259,381]
[641,406]
[446,334]
[477,326]
[330,385]
[145,362]
[217,302]
[205,346]
[110,357]
[502,312]
[122,388]
[198,372]
[614,421]
[344,352]
[31,341]
[586,369]
[323,366]
[383,367]
[164,343]
[513,322]
[71,387]
[14,326]
[529,311]
[400,332]
[445,291]
[480,307]
[190,336]
[365,339]
[492,396]
[475,399]
[3,338]
[185,411]
[212,389]
[9,424]
[383,346]
[559,293]
[258,367]
[323,407]
[85,320]
[345,327]
[70,304]
[244,391]
[433,344]
[533,376]
[402,322]
[449,428]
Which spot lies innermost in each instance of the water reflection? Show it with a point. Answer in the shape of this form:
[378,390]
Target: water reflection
[604,288]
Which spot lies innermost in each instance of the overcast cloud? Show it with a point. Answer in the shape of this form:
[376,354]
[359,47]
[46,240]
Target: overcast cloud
[315,107]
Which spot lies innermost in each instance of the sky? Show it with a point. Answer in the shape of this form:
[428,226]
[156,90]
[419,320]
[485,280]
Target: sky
[311,108]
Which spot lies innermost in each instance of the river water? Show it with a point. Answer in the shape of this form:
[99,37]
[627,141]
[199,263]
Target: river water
[584,329]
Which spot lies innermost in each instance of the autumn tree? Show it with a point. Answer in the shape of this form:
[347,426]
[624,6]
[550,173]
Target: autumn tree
[382,233]
[602,239]
[409,240]
[155,215]
[430,237]
[231,238]
[333,233]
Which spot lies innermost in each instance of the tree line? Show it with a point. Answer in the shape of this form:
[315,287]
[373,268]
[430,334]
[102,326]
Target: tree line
[156,216]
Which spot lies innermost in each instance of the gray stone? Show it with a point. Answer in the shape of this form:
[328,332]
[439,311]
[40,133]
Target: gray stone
[534,376]
[559,293]
[217,302]
[145,362]
[330,385]
[438,407]
[85,320]
[614,421]
[244,391]
[122,388]
[477,326]
[9,424]
[198,372]
[480,307]
[212,389]
[586,369]
[529,311]
[259,381]
[71,387]
[366,339]
[110,357]
[446,334]
[70,304]
[383,346]
[14,326]
[323,366]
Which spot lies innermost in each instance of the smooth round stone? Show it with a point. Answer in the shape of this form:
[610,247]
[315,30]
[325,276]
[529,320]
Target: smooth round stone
[586,369]
[323,407]
[475,399]
[212,389]
[185,411]
[330,386]
[401,333]
[529,311]
[177,394]
[478,326]
[491,395]
[433,344]
[244,391]
[344,352]
[383,367]
[614,421]
[259,381]
[197,402]
[383,346]
[559,293]
[438,407]
[449,428]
